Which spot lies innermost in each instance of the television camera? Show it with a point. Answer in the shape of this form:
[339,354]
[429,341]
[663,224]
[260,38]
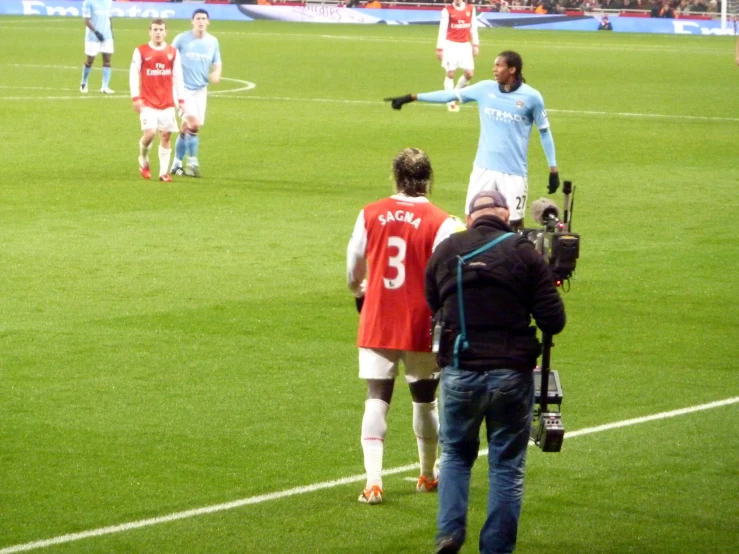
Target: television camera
[560,248]
[555,241]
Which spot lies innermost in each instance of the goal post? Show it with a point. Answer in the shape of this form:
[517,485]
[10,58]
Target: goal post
[729,13]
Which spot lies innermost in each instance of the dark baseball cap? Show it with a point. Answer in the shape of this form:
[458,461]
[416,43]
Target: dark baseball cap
[497,200]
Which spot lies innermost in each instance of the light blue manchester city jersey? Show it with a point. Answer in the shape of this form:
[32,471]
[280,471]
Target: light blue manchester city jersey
[198,55]
[506,119]
[99,13]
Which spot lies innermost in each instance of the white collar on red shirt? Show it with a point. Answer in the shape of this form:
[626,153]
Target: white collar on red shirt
[406,198]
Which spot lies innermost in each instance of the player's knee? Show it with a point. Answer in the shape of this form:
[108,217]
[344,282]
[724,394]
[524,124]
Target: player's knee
[424,390]
[469,74]
[380,389]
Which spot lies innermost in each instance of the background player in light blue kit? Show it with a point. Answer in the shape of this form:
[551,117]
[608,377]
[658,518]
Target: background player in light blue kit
[98,39]
[201,64]
[508,109]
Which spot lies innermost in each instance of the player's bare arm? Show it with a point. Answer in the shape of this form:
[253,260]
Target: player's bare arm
[443,26]
[474,34]
[215,74]
[134,82]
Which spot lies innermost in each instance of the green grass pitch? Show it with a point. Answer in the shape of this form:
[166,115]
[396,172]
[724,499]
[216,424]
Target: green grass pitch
[167,347]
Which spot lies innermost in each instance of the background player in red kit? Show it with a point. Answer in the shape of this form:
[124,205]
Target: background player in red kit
[156,80]
[458,44]
[392,241]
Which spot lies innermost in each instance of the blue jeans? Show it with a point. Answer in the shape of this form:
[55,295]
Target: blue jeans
[504,400]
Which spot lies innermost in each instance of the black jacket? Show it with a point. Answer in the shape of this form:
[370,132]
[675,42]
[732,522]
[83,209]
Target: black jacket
[503,288]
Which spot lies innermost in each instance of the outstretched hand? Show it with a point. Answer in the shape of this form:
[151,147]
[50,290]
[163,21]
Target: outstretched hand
[398,101]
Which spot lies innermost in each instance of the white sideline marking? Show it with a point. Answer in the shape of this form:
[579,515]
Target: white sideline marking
[325,485]
[631,114]
[250,86]
[247,85]
[549,110]
[35,88]
[646,419]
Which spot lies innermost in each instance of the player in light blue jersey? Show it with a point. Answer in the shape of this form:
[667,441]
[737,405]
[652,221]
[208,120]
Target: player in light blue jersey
[201,65]
[98,39]
[508,110]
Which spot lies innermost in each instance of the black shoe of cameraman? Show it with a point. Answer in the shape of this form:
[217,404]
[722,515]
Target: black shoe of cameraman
[447,545]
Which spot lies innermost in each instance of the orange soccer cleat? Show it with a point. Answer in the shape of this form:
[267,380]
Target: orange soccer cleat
[425,484]
[145,172]
[167,178]
[372,495]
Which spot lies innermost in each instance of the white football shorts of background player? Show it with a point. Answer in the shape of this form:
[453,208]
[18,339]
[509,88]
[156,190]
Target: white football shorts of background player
[458,55]
[154,120]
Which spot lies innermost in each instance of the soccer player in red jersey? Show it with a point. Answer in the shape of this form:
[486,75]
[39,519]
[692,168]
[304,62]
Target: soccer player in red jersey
[458,44]
[392,240]
[156,83]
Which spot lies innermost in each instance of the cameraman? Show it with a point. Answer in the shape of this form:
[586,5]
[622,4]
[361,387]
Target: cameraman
[487,350]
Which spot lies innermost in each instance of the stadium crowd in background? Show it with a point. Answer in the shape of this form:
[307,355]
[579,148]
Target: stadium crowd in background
[561,6]
[680,7]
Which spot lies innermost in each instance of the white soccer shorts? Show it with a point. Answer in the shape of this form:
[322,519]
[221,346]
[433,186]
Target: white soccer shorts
[95,47]
[195,103]
[457,55]
[514,187]
[159,120]
[382,363]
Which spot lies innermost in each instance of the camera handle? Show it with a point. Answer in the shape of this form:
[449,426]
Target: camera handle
[546,340]
[567,189]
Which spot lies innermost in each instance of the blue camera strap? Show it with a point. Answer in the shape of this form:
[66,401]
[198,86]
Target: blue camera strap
[461,340]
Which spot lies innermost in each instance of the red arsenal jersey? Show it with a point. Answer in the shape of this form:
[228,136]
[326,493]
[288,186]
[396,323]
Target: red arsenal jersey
[400,239]
[157,67]
[460,22]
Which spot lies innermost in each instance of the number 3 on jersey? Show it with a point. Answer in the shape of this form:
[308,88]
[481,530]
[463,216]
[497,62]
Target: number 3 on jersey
[396,262]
